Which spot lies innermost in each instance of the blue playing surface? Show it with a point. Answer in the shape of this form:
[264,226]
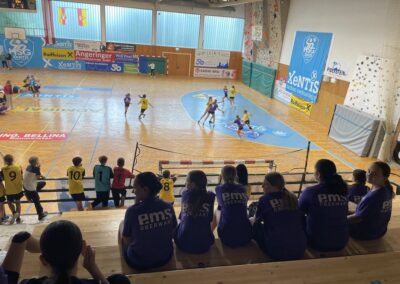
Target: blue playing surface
[77,88]
[50,96]
[267,129]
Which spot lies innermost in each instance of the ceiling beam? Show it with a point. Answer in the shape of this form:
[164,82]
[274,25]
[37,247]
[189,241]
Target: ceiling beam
[228,3]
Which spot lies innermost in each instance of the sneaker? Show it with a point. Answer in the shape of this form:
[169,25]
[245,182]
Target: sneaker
[43,215]
[19,221]
[14,217]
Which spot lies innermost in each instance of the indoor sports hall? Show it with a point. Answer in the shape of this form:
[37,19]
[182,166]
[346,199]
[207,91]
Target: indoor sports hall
[181,88]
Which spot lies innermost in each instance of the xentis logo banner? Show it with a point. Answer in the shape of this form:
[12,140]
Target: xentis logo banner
[310,51]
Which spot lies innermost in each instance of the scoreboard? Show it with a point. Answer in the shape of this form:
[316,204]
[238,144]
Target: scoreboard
[18,4]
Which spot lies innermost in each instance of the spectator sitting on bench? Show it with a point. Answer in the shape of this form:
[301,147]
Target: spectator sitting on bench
[325,207]
[234,228]
[148,228]
[373,213]
[194,234]
[278,228]
[60,245]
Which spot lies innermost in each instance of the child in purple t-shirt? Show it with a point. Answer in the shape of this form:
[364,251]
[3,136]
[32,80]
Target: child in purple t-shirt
[149,226]
[373,213]
[234,228]
[358,190]
[325,206]
[278,228]
[194,234]
[239,126]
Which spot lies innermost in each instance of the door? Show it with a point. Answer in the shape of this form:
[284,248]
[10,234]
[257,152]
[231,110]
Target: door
[178,63]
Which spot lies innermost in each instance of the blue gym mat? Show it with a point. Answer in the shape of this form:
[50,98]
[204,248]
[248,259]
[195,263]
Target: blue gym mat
[267,129]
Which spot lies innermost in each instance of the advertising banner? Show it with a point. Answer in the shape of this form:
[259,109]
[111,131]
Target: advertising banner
[33,135]
[60,43]
[212,58]
[131,68]
[120,47]
[214,73]
[94,56]
[53,53]
[104,67]
[26,53]
[300,105]
[280,92]
[64,64]
[310,51]
[86,45]
[126,58]
[337,70]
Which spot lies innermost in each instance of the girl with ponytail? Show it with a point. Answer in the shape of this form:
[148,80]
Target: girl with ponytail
[373,213]
[60,246]
[325,207]
[194,234]
[234,228]
[278,228]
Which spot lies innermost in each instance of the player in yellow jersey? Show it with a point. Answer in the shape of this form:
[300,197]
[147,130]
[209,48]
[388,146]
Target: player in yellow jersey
[2,200]
[246,119]
[144,104]
[208,105]
[12,176]
[167,192]
[75,174]
[232,94]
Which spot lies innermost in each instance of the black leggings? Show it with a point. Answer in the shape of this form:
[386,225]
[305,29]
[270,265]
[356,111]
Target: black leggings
[4,63]
[101,197]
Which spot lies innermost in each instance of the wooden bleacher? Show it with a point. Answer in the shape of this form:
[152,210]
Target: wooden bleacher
[100,230]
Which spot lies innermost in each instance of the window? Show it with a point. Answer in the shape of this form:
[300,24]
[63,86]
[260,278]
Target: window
[76,20]
[31,22]
[223,33]
[178,29]
[128,25]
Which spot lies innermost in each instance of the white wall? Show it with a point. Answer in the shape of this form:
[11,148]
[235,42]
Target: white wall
[359,27]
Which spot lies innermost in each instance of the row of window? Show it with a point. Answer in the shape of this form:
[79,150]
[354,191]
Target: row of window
[130,25]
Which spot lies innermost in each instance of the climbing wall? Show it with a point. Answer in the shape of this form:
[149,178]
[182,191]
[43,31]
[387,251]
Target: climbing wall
[366,89]
[263,33]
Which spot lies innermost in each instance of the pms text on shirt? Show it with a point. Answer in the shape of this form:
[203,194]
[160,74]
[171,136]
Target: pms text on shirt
[231,198]
[204,211]
[330,200]
[153,220]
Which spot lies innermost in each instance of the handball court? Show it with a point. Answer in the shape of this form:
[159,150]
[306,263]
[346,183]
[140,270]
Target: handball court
[88,107]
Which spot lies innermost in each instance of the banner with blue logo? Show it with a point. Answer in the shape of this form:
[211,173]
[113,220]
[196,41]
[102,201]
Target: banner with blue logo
[310,51]
[26,53]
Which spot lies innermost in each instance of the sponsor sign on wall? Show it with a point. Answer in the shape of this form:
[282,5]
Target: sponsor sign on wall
[212,58]
[307,64]
[300,104]
[120,47]
[337,70]
[94,56]
[33,135]
[87,45]
[280,92]
[53,53]
[60,43]
[131,68]
[214,73]
[104,67]
[64,64]
[126,58]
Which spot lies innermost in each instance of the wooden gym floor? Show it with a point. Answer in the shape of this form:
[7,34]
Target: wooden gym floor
[96,125]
